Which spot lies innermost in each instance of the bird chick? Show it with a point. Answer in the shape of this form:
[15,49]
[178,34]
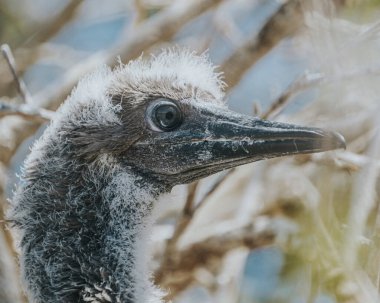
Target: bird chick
[83,208]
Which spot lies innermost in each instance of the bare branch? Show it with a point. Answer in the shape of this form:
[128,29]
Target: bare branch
[190,210]
[208,251]
[302,83]
[192,188]
[185,219]
[214,187]
[58,21]
[176,273]
[310,80]
[141,11]
[159,28]
[21,87]
[49,30]
[283,23]
[26,111]
[256,109]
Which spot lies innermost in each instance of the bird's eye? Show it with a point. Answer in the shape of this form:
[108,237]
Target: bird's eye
[166,115]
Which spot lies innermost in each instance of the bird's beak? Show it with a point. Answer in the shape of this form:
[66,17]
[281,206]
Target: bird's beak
[222,139]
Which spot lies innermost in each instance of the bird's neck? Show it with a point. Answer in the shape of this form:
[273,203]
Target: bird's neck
[87,241]
[130,199]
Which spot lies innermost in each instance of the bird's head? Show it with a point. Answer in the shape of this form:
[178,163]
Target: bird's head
[165,118]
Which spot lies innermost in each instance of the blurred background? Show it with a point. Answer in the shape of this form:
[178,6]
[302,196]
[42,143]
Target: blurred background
[297,229]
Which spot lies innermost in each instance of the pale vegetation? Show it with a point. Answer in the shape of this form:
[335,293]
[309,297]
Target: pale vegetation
[322,211]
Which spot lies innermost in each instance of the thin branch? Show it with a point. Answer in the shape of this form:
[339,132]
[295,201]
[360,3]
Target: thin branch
[26,111]
[190,210]
[177,272]
[302,83]
[283,23]
[141,11]
[159,28]
[345,160]
[185,219]
[58,22]
[256,109]
[310,80]
[184,222]
[192,188]
[228,28]
[21,87]
[214,187]
[50,29]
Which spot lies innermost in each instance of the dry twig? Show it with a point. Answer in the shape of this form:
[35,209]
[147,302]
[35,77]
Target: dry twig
[49,30]
[57,22]
[184,220]
[21,87]
[159,28]
[302,83]
[282,24]
[26,111]
[177,273]
[310,80]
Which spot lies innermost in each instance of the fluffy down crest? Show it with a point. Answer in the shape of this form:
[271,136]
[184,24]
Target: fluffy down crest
[176,73]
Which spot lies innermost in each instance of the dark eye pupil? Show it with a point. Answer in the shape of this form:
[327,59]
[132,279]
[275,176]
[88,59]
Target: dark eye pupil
[167,116]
